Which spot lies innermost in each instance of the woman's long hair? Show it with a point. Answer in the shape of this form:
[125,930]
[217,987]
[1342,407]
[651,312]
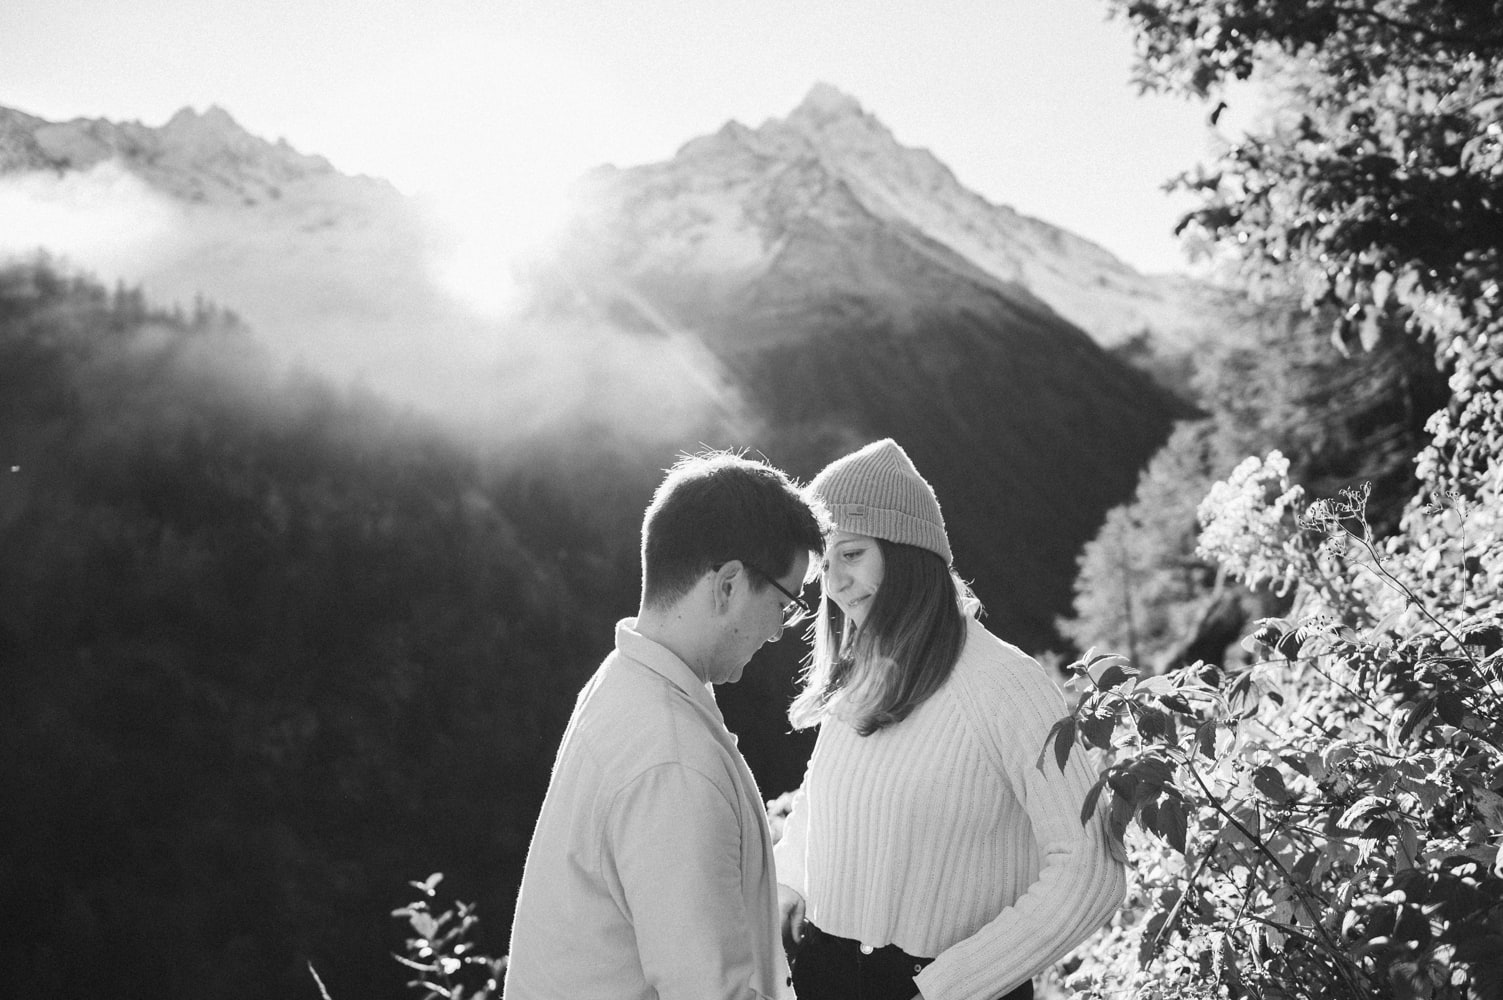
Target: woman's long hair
[877,674]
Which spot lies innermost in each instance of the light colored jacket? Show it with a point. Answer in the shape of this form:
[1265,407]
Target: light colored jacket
[941,834]
[650,871]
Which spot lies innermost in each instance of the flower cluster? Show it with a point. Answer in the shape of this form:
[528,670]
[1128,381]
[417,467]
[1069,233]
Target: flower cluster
[1245,520]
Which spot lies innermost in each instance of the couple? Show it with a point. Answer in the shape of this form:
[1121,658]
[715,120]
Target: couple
[926,854]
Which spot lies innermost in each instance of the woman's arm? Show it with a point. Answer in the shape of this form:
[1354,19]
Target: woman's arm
[1080,883]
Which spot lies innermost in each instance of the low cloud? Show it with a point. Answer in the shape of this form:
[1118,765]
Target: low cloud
[355,284]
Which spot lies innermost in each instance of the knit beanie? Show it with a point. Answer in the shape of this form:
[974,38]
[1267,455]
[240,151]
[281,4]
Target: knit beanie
[876,491]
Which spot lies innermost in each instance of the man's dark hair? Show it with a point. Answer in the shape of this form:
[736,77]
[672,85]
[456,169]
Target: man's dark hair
[718,506]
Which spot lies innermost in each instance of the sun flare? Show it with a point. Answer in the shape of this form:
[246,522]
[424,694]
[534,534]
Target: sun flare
[488,233]
[504,129]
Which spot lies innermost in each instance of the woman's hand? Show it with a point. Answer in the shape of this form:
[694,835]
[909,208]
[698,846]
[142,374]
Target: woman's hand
[791,914]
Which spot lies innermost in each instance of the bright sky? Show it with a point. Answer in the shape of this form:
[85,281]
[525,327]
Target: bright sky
[505,101]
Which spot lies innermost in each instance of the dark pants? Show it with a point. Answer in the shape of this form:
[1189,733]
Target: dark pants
[835,968]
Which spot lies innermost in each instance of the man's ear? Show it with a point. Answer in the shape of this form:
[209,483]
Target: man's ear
[723,584]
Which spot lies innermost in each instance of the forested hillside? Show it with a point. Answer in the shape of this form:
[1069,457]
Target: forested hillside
[275,647]
[270,649]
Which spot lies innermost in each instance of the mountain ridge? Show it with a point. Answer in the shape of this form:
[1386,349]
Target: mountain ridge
[195,156]
[1076,278]
[805,286]
[207,157]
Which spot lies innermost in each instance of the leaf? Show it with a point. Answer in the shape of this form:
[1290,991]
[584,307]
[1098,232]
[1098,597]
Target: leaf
[1120,815]
[1408,852]
[1241,695]
[1092,797]
[1270,782]
[1149,942]
[1098,729]
[1450,708]
[1064,742]
[1416,715]
[1178,702]
[424,924]
[1305,866]
[1053,734]
[1153,773]
[1153,723]
[1363,808]
[1148,817]
[1489,807]
[1113,676]
[1172,826]
[1123,781]
[1233,974]
[1206,738]
[1373,837]
[1158,685]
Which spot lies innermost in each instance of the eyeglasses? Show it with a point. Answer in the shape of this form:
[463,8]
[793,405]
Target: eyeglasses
[795,611]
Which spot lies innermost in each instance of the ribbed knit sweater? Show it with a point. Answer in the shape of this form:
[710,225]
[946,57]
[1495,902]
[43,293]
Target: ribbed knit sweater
[941,835]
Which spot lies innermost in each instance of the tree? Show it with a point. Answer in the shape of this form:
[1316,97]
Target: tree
[1270,385]
[1376,187]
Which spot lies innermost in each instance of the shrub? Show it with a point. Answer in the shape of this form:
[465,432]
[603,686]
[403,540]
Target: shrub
[1322,819]
[441,949]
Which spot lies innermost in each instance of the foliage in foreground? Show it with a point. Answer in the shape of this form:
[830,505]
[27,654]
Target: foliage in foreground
[1322,820]
[440,949]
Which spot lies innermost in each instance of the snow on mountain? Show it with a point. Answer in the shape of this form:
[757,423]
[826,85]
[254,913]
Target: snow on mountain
[342,274]
[197,157]
[820,218]
[724,207]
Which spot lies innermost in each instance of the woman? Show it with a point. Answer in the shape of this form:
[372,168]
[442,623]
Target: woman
[927,853]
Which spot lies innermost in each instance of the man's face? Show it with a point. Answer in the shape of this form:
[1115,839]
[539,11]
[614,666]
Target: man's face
[756,616]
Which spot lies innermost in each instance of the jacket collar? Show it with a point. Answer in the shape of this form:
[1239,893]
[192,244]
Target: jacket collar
[663,661]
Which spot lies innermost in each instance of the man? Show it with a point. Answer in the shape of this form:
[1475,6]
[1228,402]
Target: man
[650,870]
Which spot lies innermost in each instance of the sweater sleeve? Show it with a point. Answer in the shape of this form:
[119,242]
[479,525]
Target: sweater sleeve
[788,853]
[1080,883]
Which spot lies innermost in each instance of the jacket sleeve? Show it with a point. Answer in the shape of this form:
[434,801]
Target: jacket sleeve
[674,840]
[1080,882]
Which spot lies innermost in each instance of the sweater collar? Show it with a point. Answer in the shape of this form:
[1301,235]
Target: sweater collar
[663,661]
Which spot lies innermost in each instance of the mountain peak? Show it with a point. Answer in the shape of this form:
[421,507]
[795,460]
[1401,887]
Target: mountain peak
[215,123]
[825,103]
[196,156]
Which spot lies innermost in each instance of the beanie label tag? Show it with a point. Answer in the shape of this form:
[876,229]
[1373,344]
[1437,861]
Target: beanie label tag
[859,510]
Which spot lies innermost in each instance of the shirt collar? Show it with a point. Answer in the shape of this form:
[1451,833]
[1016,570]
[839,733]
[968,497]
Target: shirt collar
[662,660]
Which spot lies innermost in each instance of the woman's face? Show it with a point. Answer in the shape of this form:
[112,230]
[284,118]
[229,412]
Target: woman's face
[851,573]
